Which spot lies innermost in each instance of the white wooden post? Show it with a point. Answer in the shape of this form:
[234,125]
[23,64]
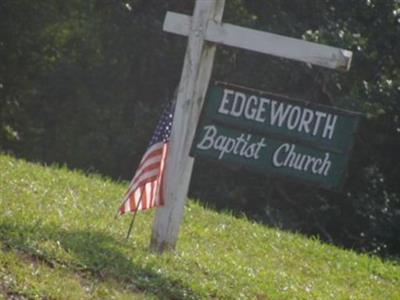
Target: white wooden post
[194,81]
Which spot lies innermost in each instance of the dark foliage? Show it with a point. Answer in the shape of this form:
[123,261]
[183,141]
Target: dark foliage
[83,82]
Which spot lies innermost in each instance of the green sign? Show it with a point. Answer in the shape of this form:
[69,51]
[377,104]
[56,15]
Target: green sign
[276,135]
[317,125]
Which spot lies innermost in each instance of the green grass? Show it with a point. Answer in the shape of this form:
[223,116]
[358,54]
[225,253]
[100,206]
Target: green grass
[59,240]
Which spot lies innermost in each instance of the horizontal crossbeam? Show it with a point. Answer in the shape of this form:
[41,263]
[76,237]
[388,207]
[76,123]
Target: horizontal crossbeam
[264,42]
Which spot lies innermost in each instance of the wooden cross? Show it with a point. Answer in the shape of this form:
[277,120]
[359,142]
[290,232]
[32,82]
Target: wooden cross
[204,31]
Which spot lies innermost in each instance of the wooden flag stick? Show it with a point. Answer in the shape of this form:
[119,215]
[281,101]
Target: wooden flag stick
[134,217]
[131,225]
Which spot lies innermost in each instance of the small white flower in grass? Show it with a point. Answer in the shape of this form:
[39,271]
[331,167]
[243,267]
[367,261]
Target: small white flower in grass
[308,288]
[128,6]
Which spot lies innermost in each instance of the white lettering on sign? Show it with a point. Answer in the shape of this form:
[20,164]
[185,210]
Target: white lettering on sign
[329,126]
[281,114]
[285,156]
[250,111]
[278,115]
[261,109]
[225,100]
[306,120]
[240,145]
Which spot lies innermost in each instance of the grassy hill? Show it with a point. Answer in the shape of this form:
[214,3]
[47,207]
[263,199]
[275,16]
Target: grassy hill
[59,240]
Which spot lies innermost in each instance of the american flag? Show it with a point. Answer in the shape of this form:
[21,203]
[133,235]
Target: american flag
[145,190]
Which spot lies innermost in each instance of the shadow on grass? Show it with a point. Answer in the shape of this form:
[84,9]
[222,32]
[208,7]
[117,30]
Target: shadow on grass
[95,256]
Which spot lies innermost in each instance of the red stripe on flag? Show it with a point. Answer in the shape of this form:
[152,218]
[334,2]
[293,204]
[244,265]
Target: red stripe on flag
[141,171]
[152,196]
[147,170]
[132,202]
[152,159]
[142,182]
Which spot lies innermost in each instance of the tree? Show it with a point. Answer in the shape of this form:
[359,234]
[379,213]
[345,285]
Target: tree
[83,82]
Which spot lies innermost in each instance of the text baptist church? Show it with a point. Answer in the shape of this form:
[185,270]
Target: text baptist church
[280,114]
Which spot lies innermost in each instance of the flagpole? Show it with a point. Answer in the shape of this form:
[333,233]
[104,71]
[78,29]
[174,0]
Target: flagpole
[134,216]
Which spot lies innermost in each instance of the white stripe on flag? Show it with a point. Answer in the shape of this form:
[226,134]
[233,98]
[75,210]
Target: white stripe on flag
[145,176]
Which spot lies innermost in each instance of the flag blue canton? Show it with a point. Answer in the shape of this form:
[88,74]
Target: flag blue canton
[164,126]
